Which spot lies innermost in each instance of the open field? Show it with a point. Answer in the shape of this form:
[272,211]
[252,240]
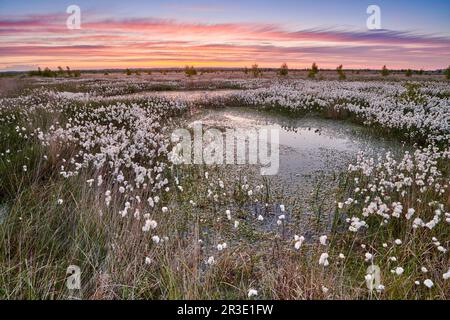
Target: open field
[86,180]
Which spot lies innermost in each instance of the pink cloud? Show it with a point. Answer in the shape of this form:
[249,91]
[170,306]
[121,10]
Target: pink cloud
[36,38]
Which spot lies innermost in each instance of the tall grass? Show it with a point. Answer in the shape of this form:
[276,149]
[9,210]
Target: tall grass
[41,236]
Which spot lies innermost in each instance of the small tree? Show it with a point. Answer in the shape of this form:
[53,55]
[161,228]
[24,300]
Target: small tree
[60,70]
[128,72]
[385,71]
[341,72]
[284,70]
[69,73]
[255,71]
[246,70]
[190,71]
[48,73]
[314,71]
[447,73]
[408,73]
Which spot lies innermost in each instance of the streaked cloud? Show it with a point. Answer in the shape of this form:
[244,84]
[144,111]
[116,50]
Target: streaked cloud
[44,40]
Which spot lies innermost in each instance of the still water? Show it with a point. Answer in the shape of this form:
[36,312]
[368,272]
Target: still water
[307,144]
[313,152]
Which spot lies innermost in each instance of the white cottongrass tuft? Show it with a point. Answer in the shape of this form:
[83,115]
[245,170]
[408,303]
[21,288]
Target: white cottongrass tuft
[252,293]
[149,224]
[211,260]
[298,242]
[399,271]
[446,275]
[323,260]
[156,239]
[428,283]
[221,246]
[380,288]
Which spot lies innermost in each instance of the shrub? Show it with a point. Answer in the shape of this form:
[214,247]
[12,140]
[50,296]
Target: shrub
[283,70]
[408,73]
[35,73]
[385,71]
[447,73]
[341,73]
[255,71]
[48,73]
[314,71]
[190,71]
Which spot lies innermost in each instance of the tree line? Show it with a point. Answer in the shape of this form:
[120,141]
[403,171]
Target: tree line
[47,72]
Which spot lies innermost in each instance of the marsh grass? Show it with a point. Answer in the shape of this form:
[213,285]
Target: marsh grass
[40,238]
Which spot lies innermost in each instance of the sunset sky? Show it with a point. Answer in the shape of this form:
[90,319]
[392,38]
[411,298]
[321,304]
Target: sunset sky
[138,33]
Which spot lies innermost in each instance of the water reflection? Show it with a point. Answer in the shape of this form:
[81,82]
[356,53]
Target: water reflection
[307,144]
[313,152]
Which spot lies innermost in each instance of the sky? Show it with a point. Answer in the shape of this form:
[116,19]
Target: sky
[145,34]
